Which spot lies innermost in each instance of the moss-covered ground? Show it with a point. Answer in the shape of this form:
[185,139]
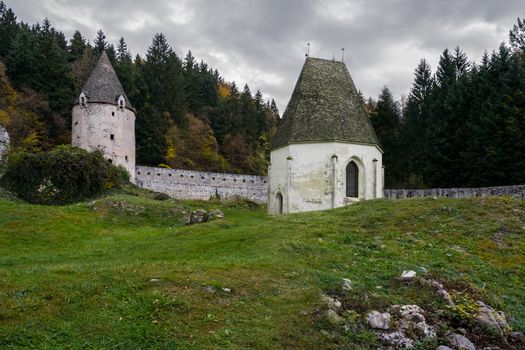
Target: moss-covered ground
[124,272]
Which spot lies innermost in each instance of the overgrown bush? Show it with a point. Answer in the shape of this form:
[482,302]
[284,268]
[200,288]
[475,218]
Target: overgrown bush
[63,175]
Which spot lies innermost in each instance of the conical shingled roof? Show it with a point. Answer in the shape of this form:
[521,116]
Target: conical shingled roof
[324,107]
[103,85]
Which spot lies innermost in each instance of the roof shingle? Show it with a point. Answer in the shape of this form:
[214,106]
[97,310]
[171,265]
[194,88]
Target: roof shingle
[103,85]
[325,106]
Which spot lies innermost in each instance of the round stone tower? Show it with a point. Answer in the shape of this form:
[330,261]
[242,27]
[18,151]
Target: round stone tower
[103,118]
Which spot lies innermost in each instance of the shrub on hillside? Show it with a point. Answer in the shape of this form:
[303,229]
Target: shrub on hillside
[63,175]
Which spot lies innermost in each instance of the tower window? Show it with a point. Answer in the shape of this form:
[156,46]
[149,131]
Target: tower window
[112,137]
[126,158]
[110,161]
[112,114]
[82,99]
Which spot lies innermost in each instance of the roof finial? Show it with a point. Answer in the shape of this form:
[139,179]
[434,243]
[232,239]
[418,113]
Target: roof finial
[342,54]
[307,54]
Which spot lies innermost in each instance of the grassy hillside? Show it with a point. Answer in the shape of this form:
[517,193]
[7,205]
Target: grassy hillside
[124,272]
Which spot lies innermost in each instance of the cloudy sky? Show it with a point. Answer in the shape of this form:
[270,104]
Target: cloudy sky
[263,42]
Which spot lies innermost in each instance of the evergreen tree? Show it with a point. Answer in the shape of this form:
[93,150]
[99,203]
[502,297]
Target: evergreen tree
[8,28]
[100,43]
[386,122]
[77,45]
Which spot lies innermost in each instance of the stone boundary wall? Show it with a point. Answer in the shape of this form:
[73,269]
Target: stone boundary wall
[188,184]
[513,191]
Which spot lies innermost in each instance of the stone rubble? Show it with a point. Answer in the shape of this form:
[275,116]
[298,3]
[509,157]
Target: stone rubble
[460,342]
[408,276]
[200,216]
[346,284]
[379,320]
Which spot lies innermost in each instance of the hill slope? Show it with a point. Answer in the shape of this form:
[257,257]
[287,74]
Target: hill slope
[124,271]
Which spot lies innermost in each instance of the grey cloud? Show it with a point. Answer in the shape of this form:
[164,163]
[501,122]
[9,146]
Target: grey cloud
[262,43]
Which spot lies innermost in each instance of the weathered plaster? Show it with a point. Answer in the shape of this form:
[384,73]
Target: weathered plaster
[93,125]
[305,173]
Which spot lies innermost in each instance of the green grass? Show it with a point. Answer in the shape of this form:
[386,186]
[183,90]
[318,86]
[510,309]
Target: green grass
[78,276]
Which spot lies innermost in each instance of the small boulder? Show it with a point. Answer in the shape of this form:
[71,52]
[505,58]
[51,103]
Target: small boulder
[379,320]
[487,317]
[346,284]
[396,340]
[517,337]
[443,347]
[408,276]
[197,216]
[214,214]
[333,318]
[459,342]
[331,303]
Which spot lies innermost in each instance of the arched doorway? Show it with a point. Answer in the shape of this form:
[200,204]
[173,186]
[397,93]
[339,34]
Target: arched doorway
[352,176]
[279,203]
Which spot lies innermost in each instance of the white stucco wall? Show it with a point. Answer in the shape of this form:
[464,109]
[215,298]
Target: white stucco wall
[93,125]
[304,174]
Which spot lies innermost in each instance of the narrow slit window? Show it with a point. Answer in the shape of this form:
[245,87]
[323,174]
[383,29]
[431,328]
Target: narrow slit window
[112,136]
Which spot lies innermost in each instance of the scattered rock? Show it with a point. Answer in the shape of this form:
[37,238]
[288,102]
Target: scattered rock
[517,337]
[412,320]
[443,347]
[346,284]
[459,342]
[331,303]
[333,318]
[197,216]
[200,215]
[214,214]
[209,289]
[407,276]
[379,320]
[226,290]
[154,280]
[396,340]
[489,318]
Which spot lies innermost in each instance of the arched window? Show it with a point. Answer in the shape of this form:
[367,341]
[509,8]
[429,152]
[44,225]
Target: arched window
[279,203]
[82,99]
[352,176]
[121,101]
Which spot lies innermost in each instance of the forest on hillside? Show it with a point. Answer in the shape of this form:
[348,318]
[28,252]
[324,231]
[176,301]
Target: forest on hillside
[188,116]
[462,125]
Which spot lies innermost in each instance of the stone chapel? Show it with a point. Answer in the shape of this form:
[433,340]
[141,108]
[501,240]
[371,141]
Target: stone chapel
[325,153]
[103,118]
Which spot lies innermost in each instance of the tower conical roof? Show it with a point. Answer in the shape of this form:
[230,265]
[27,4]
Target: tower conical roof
[325,106]
[103,85]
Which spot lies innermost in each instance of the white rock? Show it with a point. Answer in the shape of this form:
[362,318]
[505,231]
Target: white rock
[412,318]
[408,275]
[459,342]
[226,290]
[331,303]
[379,320]
[397,340]
[346,284]
[490,318]
[443,347]
[333,317]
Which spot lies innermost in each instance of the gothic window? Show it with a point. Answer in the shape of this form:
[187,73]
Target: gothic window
[279,203]
[352,176]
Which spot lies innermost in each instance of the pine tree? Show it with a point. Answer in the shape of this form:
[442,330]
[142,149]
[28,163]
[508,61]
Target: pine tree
[8,28]
[100,43]
[77,45]
[386,122]
[517,36]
